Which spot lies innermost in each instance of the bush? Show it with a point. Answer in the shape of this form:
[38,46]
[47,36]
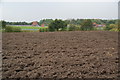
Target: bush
[16,29]
[63,29]
[43,30]
[40,30]
[73,27]
[12,29]
[112,27]
[8,29]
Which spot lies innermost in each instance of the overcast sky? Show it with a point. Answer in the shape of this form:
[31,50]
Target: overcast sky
[36,10]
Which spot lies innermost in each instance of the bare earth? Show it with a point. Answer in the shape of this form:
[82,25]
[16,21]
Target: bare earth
[77,54]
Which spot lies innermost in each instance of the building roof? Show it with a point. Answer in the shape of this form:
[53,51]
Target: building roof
[35,23]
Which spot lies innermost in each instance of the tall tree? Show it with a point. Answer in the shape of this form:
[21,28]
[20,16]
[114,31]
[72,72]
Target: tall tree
[57,24]
[87,25]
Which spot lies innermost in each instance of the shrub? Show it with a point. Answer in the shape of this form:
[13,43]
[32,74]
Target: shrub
[43,30]
[46,29]
[8,29]
[28,31]
[73,27]
[16,29]
[12,29]
[63,29]
[112,27]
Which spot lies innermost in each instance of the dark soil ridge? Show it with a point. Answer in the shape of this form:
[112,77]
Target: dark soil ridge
[76,54]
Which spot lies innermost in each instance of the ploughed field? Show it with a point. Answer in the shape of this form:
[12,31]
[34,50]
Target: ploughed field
[75,54]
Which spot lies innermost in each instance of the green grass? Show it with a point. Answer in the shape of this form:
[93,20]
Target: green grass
[29,27]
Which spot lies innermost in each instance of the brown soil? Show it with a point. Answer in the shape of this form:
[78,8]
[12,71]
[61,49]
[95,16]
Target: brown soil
[90,54]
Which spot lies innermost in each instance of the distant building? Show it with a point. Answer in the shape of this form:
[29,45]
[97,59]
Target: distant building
[42,25]
[98,25]
[35,23]
[94,24]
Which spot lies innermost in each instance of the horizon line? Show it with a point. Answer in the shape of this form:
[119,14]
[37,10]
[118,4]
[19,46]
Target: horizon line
[59,18]
[59,1]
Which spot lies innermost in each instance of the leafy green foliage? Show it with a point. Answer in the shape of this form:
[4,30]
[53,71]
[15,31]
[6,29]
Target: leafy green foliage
[112,27]
[72,27]
[16,29]
[60,25]
[87,25]
[97,21]
[56,25]
[45,21]
[43,30]
[18,23]
[3,24]
[12,29]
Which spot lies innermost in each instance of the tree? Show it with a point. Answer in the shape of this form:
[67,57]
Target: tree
[57,24]
[112,27]
[3,24]
[87,25]
[45,21]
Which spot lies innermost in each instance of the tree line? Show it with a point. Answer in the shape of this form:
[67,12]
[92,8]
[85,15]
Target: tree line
[70,24]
